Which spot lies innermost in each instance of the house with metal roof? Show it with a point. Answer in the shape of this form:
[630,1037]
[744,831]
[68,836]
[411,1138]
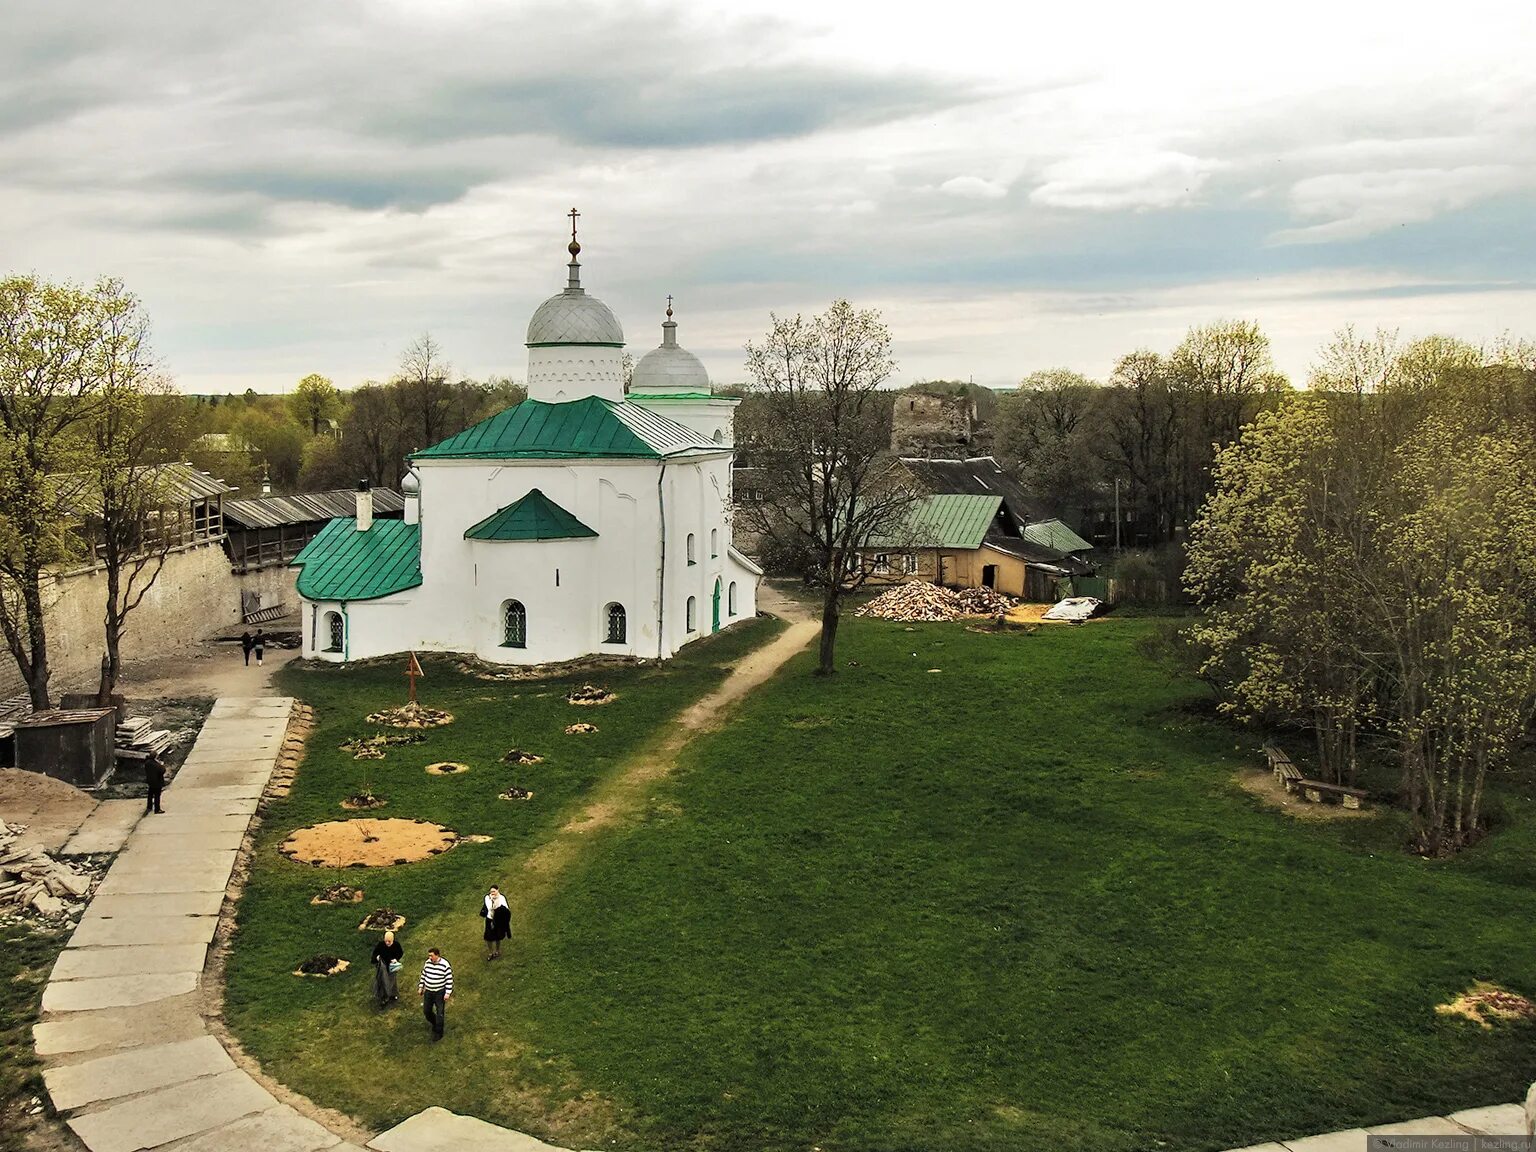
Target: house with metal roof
[584,520]
[974,530]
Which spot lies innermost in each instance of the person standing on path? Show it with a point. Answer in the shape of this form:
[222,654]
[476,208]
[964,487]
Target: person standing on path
[260,644]
[154,777]
[498,922]
[246,644]
[436,988]
[387,955]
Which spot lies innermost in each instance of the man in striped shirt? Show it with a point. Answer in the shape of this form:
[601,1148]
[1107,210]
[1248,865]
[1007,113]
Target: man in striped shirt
[435,986]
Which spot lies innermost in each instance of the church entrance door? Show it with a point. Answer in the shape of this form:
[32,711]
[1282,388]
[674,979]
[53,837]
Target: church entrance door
[716,626]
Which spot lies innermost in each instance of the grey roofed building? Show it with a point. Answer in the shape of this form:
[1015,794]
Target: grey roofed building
[269,531]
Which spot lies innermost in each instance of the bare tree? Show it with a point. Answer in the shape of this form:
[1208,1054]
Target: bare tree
[424,393]
[830,484]
[135,429]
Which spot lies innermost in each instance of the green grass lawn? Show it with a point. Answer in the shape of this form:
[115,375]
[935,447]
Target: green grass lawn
[26,957]
[1017,904]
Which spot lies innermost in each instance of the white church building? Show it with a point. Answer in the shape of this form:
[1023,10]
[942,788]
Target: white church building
[581,521]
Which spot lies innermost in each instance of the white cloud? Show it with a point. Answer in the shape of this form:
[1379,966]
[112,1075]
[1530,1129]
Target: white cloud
[1111,176]
[1356,204]
[974,188]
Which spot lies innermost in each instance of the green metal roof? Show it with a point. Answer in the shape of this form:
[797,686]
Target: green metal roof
[1055,534]
[948,521]
[534,517]
[588,427]
[344,564]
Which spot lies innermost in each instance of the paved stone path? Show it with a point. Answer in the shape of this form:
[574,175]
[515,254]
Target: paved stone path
[1497,1120]
[129,1058]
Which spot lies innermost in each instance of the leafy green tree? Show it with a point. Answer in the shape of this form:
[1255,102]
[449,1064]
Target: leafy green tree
[315,402]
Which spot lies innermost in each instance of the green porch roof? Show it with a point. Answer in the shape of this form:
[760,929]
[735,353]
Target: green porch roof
[947,521]
[344,564]
[1055,534]
[588,427]
[534,517]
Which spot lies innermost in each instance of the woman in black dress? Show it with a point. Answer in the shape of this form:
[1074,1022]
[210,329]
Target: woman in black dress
[498,922]
[386,962]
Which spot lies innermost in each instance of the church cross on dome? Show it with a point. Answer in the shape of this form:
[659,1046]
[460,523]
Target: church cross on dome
[573,284]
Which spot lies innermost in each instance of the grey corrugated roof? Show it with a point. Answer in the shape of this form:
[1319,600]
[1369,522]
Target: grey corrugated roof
[306,507]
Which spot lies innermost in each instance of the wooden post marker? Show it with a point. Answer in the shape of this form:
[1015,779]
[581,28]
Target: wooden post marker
[413,670]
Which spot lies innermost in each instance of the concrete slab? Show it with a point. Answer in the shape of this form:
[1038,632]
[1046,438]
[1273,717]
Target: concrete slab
[279,1129]
[166,904]
[1495,1120]
[1427,1126]
[98,932]
[1261,1148]
[184,824]
[139,1070]
[112,1028]
[194,803]
[142,960]
[439,1130]
[171,1113]
[193,840]
[164,880]
[170,859]
[106,829]
[218,791]
[225,776]
[115,991]
[1349,1140]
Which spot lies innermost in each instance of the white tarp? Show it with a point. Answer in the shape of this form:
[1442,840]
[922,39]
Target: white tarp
[1074,609]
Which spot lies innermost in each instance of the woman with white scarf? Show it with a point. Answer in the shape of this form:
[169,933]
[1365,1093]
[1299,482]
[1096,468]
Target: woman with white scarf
[498,922]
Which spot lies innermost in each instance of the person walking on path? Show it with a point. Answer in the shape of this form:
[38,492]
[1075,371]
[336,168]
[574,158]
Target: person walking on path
[498,922]
[154,777]
[387,955]
[436,988]
[260,644]
[246,644]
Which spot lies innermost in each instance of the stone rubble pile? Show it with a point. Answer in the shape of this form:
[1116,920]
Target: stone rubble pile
[917,601]
[32,879]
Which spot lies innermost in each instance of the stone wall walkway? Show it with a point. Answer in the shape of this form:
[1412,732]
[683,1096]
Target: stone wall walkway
[128,1056]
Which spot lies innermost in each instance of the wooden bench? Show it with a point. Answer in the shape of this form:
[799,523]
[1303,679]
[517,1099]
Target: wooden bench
[1316,790]
[1287,775]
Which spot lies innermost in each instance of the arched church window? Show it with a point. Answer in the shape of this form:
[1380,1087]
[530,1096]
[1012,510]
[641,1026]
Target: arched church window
[336,631]
[730,599]
[693,614]
[714,543]
[719,436]
[618,625]
[514,625]
[691,558]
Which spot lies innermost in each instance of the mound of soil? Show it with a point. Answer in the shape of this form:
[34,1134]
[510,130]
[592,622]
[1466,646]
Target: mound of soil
[518,756]
[368,754]
[580,729]
[446,768]
[382,920]
[516,793]
[364,801]
[321,965]
[1484,1003]
[338,894]
[411,716]
[367,843]
[590,694]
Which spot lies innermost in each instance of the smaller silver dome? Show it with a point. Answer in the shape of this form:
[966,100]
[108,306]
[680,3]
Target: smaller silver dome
[410,484]
[670,368]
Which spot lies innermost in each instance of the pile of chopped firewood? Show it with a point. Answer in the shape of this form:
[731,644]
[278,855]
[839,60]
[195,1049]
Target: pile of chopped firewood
[917,601]
[909,603]
[985,602]
[32,879]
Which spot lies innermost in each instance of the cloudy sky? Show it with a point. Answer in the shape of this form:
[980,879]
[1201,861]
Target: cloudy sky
[299,186]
